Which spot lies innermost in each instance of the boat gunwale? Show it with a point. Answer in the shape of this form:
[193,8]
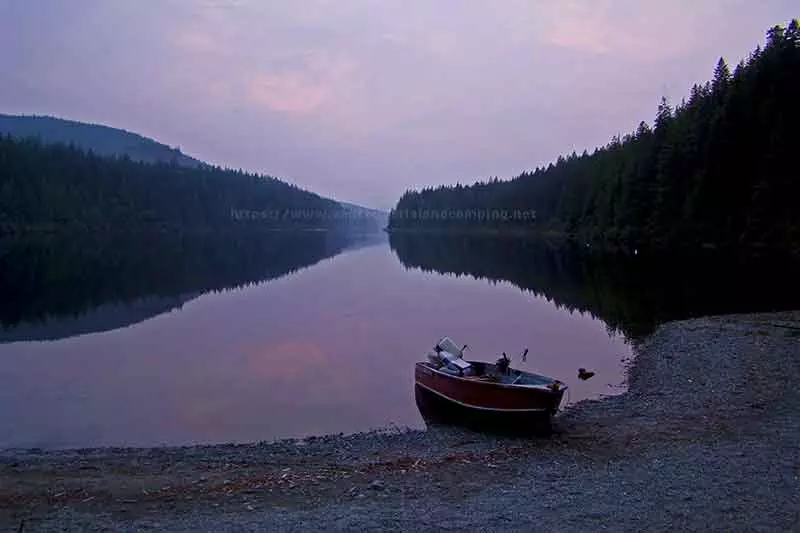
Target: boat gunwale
[540,388]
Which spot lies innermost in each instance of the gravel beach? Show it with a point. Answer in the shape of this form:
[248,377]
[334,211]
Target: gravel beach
[706,438]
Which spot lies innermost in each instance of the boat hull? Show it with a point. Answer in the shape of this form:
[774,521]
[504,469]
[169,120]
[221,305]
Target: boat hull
[437,411]
[442,398]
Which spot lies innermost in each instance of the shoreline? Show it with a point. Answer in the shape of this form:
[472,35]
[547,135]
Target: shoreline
[708,427]
[601,244]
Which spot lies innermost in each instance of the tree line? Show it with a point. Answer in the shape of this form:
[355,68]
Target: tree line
[719,169]
[57,187]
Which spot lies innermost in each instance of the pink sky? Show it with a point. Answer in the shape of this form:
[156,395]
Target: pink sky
[360,100]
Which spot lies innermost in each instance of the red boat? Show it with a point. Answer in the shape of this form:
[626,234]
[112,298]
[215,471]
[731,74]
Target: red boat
[484,392]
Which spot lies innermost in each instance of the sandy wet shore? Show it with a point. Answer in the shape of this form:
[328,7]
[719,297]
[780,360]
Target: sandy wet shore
[707,437]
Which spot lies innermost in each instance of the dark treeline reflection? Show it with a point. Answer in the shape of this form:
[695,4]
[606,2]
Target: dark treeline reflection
[632,294]
[124,278]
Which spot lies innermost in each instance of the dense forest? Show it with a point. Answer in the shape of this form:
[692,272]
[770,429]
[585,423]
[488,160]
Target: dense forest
[102,140]
[719,169]
[632,294]
[57,187]
[51,279]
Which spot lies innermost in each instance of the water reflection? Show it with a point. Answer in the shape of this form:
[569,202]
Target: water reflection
[632,294]
[327,349]
[62,286]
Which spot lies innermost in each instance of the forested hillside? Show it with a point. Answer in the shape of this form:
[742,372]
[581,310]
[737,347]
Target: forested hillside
[719,168]
[101,140]
[60,187]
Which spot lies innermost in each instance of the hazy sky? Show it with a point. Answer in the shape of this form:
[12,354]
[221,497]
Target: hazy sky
[362,99]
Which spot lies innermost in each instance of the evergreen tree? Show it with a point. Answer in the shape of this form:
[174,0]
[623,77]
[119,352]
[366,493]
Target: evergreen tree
[56,187]
[719,169]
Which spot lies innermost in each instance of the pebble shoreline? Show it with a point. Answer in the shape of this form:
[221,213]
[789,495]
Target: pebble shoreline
[707,437]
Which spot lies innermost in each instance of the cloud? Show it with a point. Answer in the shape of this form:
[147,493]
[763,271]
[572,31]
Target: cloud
[304,85]
[287,93]
[584,28]
[194,41]
[639,30]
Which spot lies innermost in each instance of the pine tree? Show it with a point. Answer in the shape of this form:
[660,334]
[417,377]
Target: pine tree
[722,78]
[718,169]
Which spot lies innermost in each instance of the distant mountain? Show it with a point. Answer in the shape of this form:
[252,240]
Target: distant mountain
[357,212]
[102,140]
[108,141]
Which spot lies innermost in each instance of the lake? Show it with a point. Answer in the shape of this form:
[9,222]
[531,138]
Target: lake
[171,340]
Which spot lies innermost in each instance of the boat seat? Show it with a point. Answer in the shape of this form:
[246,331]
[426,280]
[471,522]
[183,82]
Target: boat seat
[451,371]
[459,363]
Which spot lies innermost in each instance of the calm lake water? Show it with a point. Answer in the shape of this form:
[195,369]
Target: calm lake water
[158,341]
